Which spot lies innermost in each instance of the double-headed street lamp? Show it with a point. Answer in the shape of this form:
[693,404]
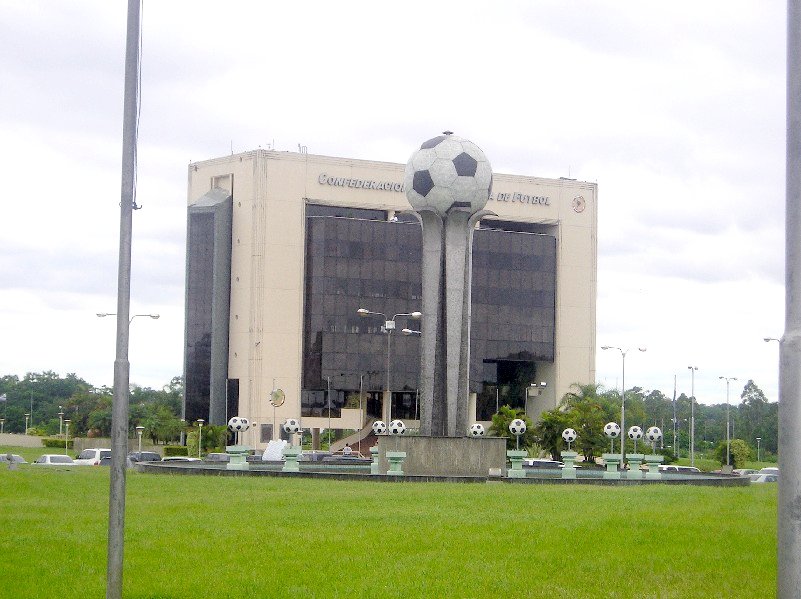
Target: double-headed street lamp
[389,326]
[104,314]
[728,439]
[622,401]
[692,369]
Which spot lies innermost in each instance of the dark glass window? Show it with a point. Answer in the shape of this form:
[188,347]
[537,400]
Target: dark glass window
[363,262]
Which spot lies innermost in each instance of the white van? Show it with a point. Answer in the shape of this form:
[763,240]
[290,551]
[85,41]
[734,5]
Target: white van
[92,457]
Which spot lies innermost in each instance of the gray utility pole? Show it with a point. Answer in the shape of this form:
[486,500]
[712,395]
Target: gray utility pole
[119,408]
[789,545]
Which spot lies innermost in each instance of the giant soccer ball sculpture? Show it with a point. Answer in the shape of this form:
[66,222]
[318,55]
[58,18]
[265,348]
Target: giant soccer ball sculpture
[653,434]
[569,435]
[446,172]
[379,427]
[291,426]
[477,430]
[612,430]
[448,182]
[396,427]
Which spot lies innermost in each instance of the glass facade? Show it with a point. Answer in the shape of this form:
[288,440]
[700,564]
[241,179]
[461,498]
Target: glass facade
[357,259]
[199,293]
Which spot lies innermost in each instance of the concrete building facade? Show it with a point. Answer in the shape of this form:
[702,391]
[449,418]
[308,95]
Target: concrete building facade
[283,249]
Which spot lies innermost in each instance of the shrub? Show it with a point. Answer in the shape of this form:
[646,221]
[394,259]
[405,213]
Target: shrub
[51,442]
[175,450]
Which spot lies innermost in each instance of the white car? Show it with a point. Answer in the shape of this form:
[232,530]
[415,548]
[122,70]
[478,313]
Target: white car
[180,458]
[54,459]
[92,457]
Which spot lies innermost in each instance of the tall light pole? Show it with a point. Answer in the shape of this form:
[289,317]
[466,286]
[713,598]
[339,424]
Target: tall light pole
[26,422]
[2,425]
[758,440]
[389,326]
[728,439]
[139,430]
[622,401]
[200,422]
[66,435]
[60,420]
[693,369]
[130,320]
[328,387]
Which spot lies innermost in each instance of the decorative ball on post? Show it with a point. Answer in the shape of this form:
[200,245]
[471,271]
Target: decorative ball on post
[612,430]
[518,428]
[569,435]
[291,426]
[653,434]
[477,430]
[379,427]
[635,434]
[396,427]
[238,425]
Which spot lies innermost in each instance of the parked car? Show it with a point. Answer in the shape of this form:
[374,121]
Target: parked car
[145,456]
[744,471]
[12,457]
[679,469]
[770,470]
[54,459]
[92,457]
[764,477]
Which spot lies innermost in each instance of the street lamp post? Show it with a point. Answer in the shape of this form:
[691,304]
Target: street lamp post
[139,430]
[692,369]
[328,387]
[26,422]
[622,401]
[200,422]
[758,441]
[728,439]
[104,314]
[2,425]
[389,326]
[60,420]
[66,435]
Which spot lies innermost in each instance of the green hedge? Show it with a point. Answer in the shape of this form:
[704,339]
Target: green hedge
[172,450]
[50,442]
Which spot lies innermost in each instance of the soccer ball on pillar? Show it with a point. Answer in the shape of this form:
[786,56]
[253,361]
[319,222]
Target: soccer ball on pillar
[448,172]
[653,434]
[635,433]
[477,430]
[569,435]
[396,427]
[291,426]
[517,427]
[238,425]
[379,427]
[612,430]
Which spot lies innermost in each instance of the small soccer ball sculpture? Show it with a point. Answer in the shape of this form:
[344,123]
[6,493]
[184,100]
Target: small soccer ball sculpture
[612,430]
[477,430]
[653,434]
[291,426]
[396,427]
[448,172]
[379,427]
[569,435]
[517,427]
[635,433]
[238,425]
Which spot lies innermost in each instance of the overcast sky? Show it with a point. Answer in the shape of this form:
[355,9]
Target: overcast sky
[675,109]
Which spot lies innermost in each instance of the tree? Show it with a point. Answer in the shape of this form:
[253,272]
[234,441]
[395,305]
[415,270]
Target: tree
[585,414]
[548,431]
[740,453]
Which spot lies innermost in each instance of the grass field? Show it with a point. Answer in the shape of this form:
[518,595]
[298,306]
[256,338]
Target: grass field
[220,537]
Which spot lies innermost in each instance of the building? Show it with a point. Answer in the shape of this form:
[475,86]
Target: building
[284,248]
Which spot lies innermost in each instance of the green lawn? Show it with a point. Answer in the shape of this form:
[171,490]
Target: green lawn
[220,537]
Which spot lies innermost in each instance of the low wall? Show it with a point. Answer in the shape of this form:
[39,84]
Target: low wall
[17,440]
[445,456]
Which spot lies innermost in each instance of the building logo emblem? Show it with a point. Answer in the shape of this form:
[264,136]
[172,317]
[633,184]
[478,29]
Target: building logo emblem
[579,204]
